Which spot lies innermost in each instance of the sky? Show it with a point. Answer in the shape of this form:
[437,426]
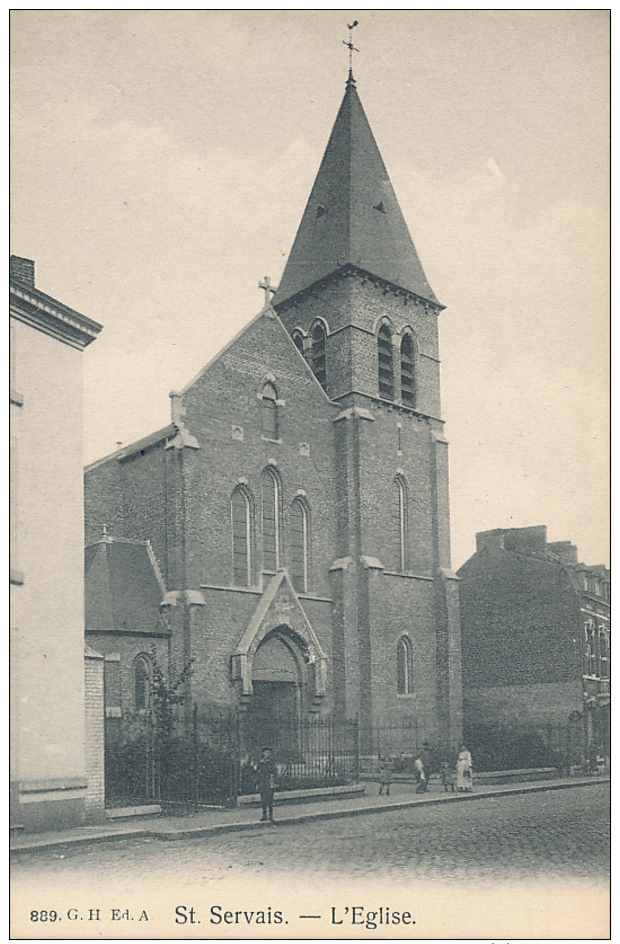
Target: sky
[161,162]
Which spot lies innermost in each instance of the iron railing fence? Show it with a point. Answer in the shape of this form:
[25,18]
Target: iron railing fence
[205,758]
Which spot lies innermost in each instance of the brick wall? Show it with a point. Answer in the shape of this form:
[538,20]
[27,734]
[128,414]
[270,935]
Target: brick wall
[95,736]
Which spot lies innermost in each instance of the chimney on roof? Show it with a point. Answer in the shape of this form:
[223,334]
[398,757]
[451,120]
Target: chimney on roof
[526,540]
[566,551]
[22,269]
[490,540]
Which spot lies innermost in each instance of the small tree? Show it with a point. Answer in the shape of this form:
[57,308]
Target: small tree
[165,695]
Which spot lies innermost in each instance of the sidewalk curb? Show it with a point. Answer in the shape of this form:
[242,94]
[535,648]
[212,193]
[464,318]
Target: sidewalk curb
[202,832]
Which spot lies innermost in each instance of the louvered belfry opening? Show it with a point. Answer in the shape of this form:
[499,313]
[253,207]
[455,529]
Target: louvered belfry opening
[386,369]
[407,371]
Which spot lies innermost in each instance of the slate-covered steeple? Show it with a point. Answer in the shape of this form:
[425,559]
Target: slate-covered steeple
[353,216]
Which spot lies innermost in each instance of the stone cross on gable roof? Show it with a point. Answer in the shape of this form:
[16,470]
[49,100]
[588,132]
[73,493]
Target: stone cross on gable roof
[268,289]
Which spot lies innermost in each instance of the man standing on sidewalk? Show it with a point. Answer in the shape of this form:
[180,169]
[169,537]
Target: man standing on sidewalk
[267,773]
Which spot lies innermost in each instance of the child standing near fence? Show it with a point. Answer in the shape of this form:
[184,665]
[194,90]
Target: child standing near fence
[385,775]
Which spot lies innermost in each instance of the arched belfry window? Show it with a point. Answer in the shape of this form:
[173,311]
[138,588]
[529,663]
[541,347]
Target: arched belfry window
[319,364]
[299,545]
[241,530]
[142,682]
[269,398]
[399,514]
[407,371]
[270,519]
[404,666]
[386,368]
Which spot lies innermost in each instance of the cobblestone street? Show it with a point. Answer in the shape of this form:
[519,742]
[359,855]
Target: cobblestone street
[553,833]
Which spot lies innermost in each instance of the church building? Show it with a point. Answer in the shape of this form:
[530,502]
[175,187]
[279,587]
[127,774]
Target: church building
[288,531]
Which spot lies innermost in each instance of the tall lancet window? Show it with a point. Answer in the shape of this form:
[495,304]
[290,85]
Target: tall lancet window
[240,522]
[319,364]
[407,371]
[399,514]
[404,666]
[270,411]
[270,515]
[386,368]
[142,682]
[299,545]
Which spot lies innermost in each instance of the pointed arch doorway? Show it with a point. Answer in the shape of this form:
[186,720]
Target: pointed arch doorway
[278,700]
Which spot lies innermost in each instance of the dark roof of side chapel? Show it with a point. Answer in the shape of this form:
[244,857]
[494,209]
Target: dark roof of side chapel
[123,589]
[353,216]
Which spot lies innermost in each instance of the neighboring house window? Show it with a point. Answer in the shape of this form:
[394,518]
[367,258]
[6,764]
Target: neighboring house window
[590,649]
[604,651]
[399,498]
[142,682]
[298,341]
[386,369]
[299,545]
[270,516]
[240,522]
[404,666]
[270,411]
[407,371]
[319,365]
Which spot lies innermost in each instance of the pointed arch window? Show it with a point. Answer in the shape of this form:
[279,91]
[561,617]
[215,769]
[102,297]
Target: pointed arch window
[299,545]
[269,398]
[399,514]
[319,364]
[240,523]
[270,515]
[386,367]
[407,371]
[142,676]
[404,666]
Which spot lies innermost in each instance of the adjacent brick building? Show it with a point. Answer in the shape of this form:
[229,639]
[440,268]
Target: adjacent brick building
[297,504]
[535,641]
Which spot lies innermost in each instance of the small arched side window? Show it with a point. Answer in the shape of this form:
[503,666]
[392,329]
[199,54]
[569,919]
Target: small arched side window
[386,368]
[269,411]
[399,514]
[240,525]
[404,666]
[270,519]
[142,682]
[299,545]
[407,371]
[319,364]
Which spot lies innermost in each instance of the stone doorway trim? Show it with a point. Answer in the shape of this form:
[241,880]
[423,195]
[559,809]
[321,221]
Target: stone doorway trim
[278,607]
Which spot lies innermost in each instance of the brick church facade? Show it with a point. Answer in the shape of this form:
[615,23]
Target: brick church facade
[289,530]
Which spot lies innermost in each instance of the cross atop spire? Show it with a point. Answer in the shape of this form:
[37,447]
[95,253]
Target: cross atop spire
[352,49]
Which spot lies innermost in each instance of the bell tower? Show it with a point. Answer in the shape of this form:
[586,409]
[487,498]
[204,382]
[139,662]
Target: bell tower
[357,304]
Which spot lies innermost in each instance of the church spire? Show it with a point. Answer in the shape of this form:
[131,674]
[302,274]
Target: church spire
[353,216]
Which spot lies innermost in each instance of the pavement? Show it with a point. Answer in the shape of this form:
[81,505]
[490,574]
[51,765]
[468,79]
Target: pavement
[213,822]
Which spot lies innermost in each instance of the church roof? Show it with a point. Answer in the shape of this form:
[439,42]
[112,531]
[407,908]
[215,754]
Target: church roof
[123,588]
[353,216]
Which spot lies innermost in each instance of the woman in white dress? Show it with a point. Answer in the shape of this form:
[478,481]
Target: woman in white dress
[464,774]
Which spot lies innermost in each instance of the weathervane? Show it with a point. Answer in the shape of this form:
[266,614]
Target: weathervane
[351,47]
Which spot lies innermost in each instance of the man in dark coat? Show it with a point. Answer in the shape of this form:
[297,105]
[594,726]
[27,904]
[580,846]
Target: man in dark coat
[267,772]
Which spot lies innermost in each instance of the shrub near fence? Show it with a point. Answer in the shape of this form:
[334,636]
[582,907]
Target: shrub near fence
[517,747]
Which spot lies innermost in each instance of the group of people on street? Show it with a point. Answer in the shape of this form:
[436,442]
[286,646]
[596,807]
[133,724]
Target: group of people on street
[460,779]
